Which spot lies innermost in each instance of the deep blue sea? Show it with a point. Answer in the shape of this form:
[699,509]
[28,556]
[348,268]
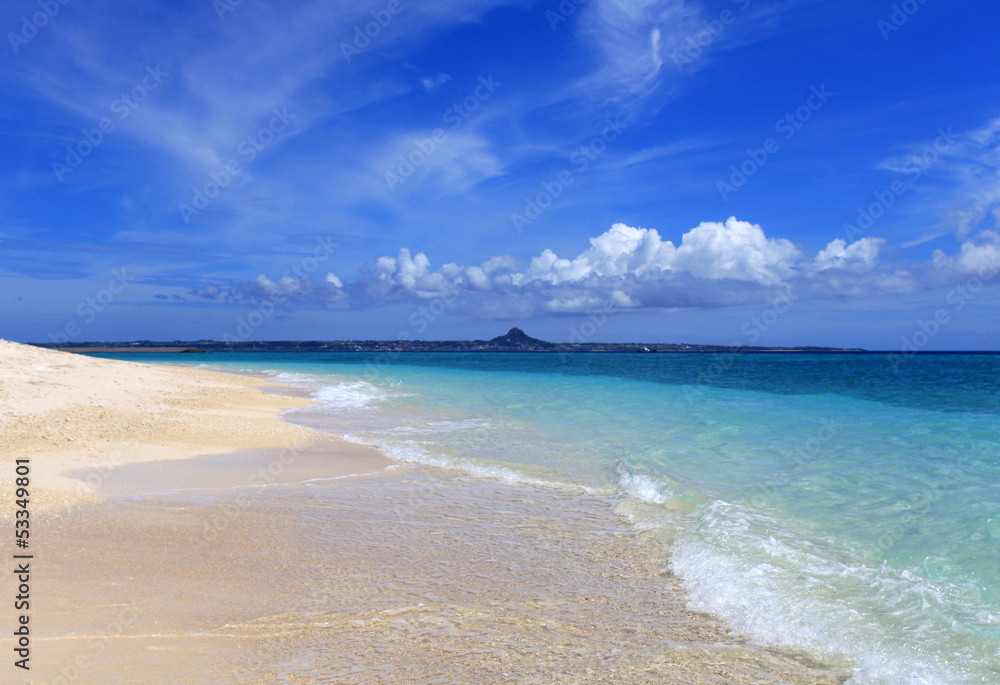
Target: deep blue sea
[820,503]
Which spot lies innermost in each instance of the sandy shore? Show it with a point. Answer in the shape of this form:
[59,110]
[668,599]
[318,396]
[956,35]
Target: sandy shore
[85,415]
[159,556]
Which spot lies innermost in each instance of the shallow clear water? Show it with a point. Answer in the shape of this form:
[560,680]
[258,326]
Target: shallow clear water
[822,503]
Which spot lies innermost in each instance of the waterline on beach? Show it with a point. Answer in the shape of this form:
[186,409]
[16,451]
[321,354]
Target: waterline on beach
[817,504]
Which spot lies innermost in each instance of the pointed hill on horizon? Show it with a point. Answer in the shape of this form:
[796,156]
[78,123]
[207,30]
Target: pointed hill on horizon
[515,337]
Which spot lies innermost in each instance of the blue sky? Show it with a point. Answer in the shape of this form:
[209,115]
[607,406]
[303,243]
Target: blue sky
[606,170]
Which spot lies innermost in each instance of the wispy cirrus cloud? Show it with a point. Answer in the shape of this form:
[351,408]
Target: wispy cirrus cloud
[959,180]
[641,45]
[973,167]
[633,39]
[224,77]
[352,120]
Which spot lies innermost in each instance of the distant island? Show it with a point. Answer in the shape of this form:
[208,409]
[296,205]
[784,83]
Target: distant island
[515,340]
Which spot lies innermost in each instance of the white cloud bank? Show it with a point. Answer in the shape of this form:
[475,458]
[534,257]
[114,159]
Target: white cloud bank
[291,289]
[715,264]
[975,255]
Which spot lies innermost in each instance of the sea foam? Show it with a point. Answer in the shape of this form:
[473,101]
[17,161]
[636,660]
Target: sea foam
[790,594]
[350,395]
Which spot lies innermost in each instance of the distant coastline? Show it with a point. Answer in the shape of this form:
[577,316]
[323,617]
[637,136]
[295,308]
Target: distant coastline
[202,346]
[515,340]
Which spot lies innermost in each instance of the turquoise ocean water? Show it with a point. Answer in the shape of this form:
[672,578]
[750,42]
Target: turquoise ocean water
[824,504]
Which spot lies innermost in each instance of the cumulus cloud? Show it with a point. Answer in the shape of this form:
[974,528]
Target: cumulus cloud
[291,289]
[209,291]
[733,250]
[408,276]
[736,250]
[861,255]
[979,254]
[715,264]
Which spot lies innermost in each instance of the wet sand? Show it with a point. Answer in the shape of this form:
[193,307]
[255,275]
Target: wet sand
[322,562]
[405,575]
[71,412]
